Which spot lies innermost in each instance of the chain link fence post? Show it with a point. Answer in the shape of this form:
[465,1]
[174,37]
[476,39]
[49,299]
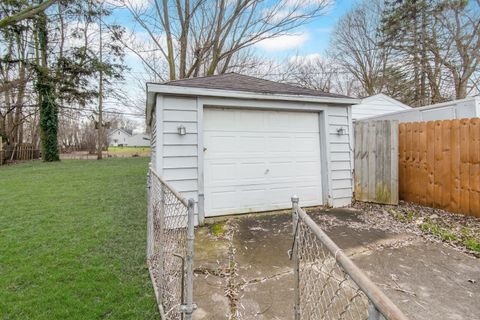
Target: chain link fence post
[189,306]
[294,255]
[150,237]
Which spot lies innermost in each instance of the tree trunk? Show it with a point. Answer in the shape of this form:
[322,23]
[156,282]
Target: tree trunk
[46,95]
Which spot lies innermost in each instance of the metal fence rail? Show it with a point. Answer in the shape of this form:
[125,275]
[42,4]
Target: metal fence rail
[170,242]
[328,285]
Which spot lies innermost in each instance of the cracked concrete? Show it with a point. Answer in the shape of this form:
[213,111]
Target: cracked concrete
[245,272]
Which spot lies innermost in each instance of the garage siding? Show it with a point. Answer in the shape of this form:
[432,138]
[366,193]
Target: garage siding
[153,141]
[179,161]
[177,156]
[340,157]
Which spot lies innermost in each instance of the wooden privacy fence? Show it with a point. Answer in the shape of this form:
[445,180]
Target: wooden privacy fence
[439,164]
[376,161]
[19,153]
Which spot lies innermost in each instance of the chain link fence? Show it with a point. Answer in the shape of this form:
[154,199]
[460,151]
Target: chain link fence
[170,242]
[327,284]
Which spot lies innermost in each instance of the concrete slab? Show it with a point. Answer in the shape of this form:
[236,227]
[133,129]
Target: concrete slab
[426,280]
[210,298]
[262,245]
[211,262]
[251,276]
[268,299]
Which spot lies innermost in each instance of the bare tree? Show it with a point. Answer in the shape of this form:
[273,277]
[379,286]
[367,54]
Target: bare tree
[205,37]
[459,45]
[356,46]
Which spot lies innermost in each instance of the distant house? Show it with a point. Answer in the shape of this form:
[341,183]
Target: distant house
[377,105]
[120,137]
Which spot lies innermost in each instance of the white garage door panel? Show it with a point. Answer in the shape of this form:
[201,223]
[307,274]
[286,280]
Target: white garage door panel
[255,160]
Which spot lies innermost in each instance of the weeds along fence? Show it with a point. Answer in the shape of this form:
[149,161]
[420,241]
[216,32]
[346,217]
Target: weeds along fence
[170,241]
[327,284]
[439,164]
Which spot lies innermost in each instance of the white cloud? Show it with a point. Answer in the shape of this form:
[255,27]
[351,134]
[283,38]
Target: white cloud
[283,42]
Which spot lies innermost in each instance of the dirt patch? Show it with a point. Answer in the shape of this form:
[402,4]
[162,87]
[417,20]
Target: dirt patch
[457,230]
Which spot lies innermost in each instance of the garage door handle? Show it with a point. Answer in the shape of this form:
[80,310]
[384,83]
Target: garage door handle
[267,171]
[204,149]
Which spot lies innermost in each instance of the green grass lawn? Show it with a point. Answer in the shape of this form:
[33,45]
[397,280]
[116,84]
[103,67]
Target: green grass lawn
[72,240]
[128,150]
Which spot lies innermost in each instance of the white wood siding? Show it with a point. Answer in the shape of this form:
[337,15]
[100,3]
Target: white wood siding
[375,106]
[176,157]
[340,155]
[153,142]
[178,162]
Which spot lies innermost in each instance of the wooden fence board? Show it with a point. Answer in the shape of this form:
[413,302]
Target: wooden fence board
[376,161]
[364,165]
[372,135]
[475,167]
[408,163]
[440,164]
[401,160]
[430,163]
[447,166]
[393,159]
[455,166]
[423,173]
[464,166]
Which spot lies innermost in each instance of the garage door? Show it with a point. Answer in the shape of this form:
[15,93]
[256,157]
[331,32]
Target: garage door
[256,160]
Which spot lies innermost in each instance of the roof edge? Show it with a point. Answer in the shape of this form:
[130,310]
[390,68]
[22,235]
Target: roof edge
[154,88]
[387,97]
[196,91]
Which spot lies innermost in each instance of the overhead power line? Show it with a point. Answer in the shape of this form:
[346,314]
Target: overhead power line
[86,109]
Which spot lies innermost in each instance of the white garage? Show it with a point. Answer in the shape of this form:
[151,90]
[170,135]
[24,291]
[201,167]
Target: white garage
[239,144]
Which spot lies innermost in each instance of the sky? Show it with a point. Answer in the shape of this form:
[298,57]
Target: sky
[311,39]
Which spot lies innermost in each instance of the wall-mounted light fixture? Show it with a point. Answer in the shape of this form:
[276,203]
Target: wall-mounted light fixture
[181,130]
[341,131]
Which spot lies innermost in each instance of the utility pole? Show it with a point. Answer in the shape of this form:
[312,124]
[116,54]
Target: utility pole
[100,94]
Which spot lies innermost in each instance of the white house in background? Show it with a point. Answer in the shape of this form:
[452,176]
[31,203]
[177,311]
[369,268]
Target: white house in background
[239,144]
[120,137]
[376,105]
[457,109]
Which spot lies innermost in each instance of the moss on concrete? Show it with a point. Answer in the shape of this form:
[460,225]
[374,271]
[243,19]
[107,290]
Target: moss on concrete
[217,229]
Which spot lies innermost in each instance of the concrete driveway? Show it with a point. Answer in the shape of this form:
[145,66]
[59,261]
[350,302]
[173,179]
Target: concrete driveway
[242,270]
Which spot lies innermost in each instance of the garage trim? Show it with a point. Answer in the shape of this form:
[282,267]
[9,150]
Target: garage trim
[182,102]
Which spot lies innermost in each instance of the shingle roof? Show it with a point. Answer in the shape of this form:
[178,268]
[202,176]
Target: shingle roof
[239,82]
